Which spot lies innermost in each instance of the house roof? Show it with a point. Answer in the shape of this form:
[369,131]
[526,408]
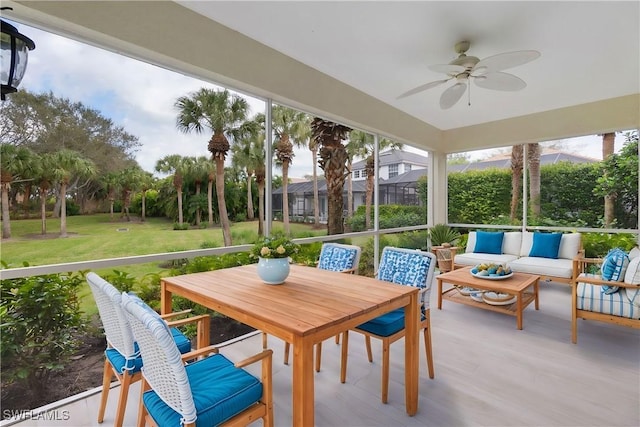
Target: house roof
[306,187]
[395,156]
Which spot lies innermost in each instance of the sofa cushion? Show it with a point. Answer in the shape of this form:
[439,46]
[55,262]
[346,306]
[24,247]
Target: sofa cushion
[527,242]
[591,298]
[489,242]
[569,245]
[475,259]
[512,242]
[543,266]
[632,276]
[545,245]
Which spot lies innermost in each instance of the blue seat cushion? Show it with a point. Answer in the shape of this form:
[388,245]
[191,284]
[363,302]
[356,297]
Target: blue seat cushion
[119,362]
[219,390]
[387,324]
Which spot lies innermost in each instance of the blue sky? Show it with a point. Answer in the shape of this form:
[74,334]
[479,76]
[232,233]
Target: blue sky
[140,97]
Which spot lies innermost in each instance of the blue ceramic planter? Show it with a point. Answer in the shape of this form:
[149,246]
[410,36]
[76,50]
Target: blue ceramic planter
[273,271]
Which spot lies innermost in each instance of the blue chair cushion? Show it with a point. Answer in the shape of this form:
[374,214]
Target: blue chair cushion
[489,242]
[404,268]
[545,245]
[387,324]
[134,363]
[335,258]
[219,389]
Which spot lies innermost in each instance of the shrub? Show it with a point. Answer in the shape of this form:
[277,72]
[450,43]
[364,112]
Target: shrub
[40,321]
[366,267]
[178,226]
[121,280]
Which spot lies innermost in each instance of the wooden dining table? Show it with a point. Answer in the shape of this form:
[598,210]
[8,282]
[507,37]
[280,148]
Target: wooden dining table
[309,307]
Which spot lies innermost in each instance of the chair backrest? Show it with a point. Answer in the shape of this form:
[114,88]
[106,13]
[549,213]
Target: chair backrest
[163,368]
[411,267]
[339,257]
[114,320]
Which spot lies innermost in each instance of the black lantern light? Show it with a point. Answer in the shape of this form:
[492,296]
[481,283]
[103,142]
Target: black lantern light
[14,50]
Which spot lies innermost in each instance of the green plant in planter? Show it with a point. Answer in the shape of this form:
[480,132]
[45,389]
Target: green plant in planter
[442,238]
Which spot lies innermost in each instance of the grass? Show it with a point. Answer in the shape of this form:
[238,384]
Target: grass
[93,237]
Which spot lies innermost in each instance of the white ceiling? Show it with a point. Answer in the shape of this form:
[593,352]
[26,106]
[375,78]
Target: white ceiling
[590,51]
[348,61]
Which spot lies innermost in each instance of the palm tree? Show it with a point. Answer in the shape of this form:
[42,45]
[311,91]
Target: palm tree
[225,115]
[178,165]
[242,160]
[15,163]
[201,170]
[129,180]
[110,182]
[146,183]
[291,127]
[333,161]
[533,160]
[363,146]
[516,178]
[608,148]
[44,178]
[66,165]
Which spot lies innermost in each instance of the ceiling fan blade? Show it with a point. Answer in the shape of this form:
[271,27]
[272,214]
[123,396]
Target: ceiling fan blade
[451,70]
[452,95]
[422,87]
[502,61]
[500,81]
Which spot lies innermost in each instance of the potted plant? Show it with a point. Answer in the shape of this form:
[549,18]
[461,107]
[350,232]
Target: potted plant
[443,240]
[273,258]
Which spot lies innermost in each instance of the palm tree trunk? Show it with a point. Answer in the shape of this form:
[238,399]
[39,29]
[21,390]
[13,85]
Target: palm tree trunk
[260,207]
[210,201]
[43,210]
[368,202]
[6,222]
[143,213]
[533,157]
[111,209]
[516,179]
[608,147]
[63,210]
[349,190]
[316,203]
[198,208]
[222,205]
[250,215]
[180,218]
[25,202]
[285,196]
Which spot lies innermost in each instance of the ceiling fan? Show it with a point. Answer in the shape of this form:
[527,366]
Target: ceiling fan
[487,73]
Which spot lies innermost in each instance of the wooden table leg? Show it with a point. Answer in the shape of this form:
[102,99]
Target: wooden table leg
[165,298]
[439,293]
[536,289]
[411,347]
[519,309]
[303,386]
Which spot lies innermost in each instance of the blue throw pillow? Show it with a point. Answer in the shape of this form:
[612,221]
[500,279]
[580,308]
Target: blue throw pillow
[614,265]
[545,245]
[489,242]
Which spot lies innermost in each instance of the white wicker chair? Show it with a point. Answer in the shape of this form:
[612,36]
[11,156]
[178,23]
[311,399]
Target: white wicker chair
[339,258]
[211,390]
[122,358]
[404,267]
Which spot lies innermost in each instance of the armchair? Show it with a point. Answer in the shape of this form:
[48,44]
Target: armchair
[211,390]
[122,357]
[589,300]
[404,267]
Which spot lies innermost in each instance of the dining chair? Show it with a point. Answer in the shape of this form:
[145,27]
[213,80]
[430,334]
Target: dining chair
[336,257]
[122,357]
[209,389]
[410,267]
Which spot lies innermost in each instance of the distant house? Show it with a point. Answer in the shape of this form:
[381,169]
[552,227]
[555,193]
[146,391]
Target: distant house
[392,163]
[395,188]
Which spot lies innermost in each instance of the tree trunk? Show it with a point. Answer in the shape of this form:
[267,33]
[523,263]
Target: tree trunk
[368,202]
[111,202]
[63,210]
[180,218]
[608,147]
[250,215]
[334,160]
[533,158]
[349,190]
[222,205]
[56,206]
[43,211]
[143,213]
[516,179]
[260,206]
[126,204]
[198,207]
[316,203]
[6,222]
[210,200]
[285,197]
[25,202]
